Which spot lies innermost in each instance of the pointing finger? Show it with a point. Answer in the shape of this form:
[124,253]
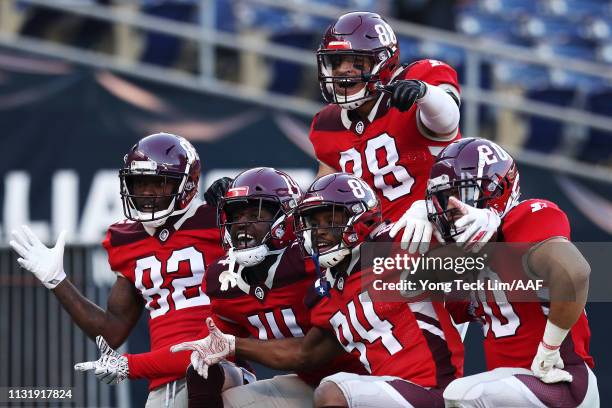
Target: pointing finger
[85,366]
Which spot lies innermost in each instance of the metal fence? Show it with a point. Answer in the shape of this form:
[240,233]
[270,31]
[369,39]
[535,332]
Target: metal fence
[39,343]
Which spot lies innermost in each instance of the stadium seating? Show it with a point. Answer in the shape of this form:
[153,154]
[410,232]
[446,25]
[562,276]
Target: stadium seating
[580,29]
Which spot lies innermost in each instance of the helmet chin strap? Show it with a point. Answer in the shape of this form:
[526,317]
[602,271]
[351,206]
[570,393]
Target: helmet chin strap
[330,258]
[250,256]
[361,99]
[158,223]
[333,257]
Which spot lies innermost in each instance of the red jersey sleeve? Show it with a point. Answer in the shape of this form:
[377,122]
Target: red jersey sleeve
[535,221]
[321,148]
[110,252]
[158,364]
[433,72]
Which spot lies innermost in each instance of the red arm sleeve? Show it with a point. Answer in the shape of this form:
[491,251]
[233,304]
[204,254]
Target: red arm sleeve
[158,363]
[535,221]
[164,363]
[434,73]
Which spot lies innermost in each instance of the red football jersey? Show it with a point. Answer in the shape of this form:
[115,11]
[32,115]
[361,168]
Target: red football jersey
[513,329]
[271,306]
[414,340]
[167,269]
[387,151]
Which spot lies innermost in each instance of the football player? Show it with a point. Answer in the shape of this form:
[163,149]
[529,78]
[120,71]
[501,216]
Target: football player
[385,122]
[536,348]
[159,255]
[257,290]
[411,351]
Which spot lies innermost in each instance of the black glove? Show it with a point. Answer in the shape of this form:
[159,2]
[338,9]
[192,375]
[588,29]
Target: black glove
[405,92]
[217,190]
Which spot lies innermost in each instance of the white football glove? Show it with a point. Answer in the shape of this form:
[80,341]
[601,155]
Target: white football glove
[110,368]
[47,264]
[478,224]
[417,228]
[209,350]
[548,366]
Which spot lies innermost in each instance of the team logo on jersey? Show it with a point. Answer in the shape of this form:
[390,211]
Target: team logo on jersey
[259,293]
[163,235]
[359,127]
[340,284]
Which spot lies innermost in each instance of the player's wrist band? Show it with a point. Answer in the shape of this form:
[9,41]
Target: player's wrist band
[553,336]
[549,347]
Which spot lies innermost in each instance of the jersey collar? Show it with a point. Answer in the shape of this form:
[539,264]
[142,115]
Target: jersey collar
[267,284]
[173,223]
[339,281]
[349,123]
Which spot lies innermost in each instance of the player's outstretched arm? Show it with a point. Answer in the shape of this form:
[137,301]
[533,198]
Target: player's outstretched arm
[563,267]
[301,353]
[317,348]
[124,303]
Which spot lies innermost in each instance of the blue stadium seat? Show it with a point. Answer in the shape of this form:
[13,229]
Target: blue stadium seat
[586,83]
[544,135]
[225,19]
[410,49]
[577,9]
[574,49]
[598,28]
[449,54]
[604,53]
[550,29]
[523,75]
[510,7]
[487,25]
[598,146]
[287,76]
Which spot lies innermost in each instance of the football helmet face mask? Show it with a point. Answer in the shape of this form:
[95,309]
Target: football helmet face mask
[339,211]
[255,215]
[159,178]
[479,173]
[357,51]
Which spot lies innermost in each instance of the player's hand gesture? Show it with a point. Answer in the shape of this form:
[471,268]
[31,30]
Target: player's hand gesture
[548,366]
[479,224]
[110,368]
[405,93]
[417,228]
[209,350]
[217,190]
[47,264]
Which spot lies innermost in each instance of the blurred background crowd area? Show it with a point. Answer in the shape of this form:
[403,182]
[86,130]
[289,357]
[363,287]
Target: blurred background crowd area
[546,62]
